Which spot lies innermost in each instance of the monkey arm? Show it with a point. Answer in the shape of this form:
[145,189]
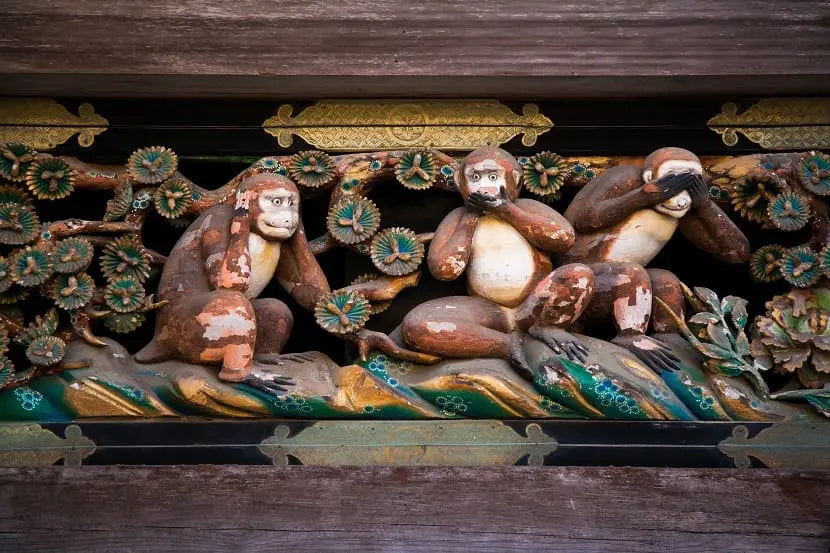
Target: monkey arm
[708,228]
[300,273]
[608,200]
[450,249]
[540,224]
[225,252]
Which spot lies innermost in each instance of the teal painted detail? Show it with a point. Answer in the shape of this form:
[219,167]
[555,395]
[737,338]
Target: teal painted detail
[27,404]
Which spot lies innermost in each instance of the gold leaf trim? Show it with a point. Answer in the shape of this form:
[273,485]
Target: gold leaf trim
[347,125]
[409,443]
[786,445]
[28,444]
[43,123]
[777,123]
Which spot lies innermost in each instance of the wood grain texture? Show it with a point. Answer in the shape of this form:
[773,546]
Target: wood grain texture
[232,508]
[504,48]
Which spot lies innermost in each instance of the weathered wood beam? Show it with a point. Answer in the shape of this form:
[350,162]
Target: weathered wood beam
[502,48]
[303,508]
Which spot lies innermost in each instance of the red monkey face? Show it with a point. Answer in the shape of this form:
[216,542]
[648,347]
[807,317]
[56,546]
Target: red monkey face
[274,205]
[489,170]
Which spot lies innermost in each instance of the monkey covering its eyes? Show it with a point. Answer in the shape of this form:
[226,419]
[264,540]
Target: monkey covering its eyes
[623,218]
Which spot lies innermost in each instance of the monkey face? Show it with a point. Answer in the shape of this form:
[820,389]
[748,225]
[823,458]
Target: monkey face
[276,213]
[678,205]
[486,177]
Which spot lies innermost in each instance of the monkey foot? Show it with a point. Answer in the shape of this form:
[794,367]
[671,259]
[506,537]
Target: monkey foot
[516,355]
[369,340]
[652,352]
[268,383]
[561,342]
[281,358]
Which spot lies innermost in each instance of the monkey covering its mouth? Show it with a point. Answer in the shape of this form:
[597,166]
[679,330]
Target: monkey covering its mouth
[679,204]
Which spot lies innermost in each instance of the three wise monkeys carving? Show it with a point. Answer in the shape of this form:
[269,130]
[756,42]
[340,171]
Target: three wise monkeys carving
[529,270]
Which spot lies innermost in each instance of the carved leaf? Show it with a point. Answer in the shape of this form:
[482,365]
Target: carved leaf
[710,298]
[704,317]
[742,344]
[719,335]
[791,358]
[737,312]
[715,352]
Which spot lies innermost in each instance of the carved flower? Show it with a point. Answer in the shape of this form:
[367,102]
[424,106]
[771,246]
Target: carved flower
[50,179]
[6,370]
[14,295]
[46,351]
[795,335]
[72,291]
[6,279]
[124,323]
[152,165]
[814,173]
[824,261]
[15,196]
[18,224]
[353,219]
[31,266]
[396,251]
[342,312]
[15,160]
[125,258]
[311,168]
[124,294]
[72,255]
[752,194]
[271,165]
[544,173]
[173,197]
[764,263]
[416,169]
[800,267]
[120,204]
[789,211]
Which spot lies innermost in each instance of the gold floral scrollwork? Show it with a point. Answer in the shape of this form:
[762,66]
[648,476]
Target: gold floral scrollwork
[29,444]
[409,443]
[796,445]
[777,123]
[43,123]
[347,125]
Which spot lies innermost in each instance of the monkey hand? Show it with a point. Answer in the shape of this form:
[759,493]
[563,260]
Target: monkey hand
[699,191]
[652,352]
[488,202]
[516,355]
[561,342]
[668,187]
[268,382]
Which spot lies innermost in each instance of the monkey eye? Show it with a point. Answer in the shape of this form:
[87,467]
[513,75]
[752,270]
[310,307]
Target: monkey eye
[494,177]
[276,201]
[476,176]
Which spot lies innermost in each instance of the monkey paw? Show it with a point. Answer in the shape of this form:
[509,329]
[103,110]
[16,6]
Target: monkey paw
[561,342]
[516,356]
[268,383]
[652,352]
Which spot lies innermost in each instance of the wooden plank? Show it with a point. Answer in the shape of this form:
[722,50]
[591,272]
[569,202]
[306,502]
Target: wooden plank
[233,508]
[505,48]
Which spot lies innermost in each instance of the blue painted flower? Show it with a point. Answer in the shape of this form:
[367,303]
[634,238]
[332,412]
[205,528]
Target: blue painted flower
[28,398]
[375,165]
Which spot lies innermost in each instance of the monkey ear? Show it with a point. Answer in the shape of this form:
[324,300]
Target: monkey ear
[517,178]
[647,174]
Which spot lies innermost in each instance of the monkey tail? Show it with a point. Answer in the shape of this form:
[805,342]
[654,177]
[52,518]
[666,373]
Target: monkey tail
[153,352]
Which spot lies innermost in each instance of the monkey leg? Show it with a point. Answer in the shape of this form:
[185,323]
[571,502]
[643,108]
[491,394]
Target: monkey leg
[667,287]
[622,291]
[274,322]
[460,327]
[213,327]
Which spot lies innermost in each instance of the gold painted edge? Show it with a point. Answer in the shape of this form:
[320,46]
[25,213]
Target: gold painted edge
[43,123]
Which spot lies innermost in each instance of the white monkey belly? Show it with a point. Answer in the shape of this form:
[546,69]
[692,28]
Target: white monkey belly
[502,262]
[640,238]
[265,256]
